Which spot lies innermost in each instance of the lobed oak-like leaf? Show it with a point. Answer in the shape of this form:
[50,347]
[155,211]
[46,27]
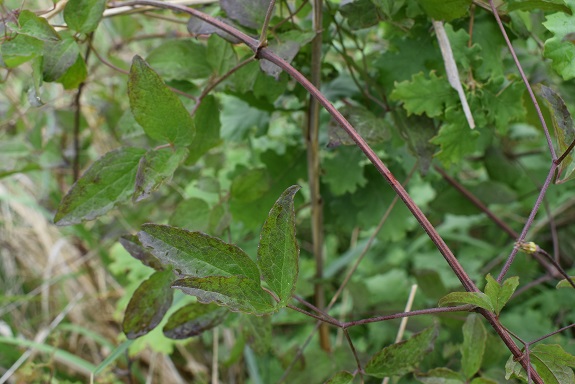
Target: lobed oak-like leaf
[197,254]
[156,108]
[109,181]
[238,293]
[148,304]
[403,357]
[194,319]
[445,9]
[278,251]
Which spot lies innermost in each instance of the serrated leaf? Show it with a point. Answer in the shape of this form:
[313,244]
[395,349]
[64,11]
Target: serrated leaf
[194,319]
[560,48]
[21,49]
[257,331]
[473,347]
[454,140]
[132,244]
[563,128]
[342,377]
[84,15]
[550,361]
[148,304]
[361,14]
[249,13]
[74,75]
[155,168]
[372,128]
[180,60]
[109,181]
[59,56]
[504,105]
[479,299]
[445,9]
[35,26]
[157,109]
[441,376]
[402,358]
[197,254]
[343,171]
[278,251]
[422,95]
[238,293]
[500,294]
[207,122]
[564,283]
[543,5]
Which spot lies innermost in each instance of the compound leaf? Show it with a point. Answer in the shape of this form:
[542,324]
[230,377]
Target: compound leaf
[197,254]
[157,109]
[278,251]
[108,181]
[401,358]
[148,304]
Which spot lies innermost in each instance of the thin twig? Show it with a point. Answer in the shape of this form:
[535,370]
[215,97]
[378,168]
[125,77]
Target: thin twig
[267,19]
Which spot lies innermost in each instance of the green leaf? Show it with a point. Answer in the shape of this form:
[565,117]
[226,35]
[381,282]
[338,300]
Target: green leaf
[197,254]
[441,376]
[156,167]
[157,109]
[180,60]
[342,377]
[372,128]
[238,293]
[35,26]
[421,95]
[148,304]
[59,56]
[473,347]
[445,9]
[193,214]
[278,251]
[504,103]
[543,5]
[500,294]
[343,171]
[257,331]
[564,283]
[551,362]
[107,182]
[455,139]
[249,13]
[361,14]
[21,49]
[250,185]
[563,128]
[84,15]
[207,122]
[74,75]
[132,244]
[479,299]
[402,358]
[194,319]
[220,55]
[560,48]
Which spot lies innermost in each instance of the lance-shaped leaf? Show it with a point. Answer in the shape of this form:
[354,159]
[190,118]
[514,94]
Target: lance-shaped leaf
[155,168]
[84,15]
[500,294]
[564,130]
[278,251]
[551,362]
[342,377]
[473,347]
[138,251]
[401,358]
[197,254]
[157,109]
[194,319]
[148,304]
[238,293]
[479,299]
[108,181]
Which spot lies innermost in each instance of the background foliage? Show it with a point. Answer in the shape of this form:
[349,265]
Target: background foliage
[114,117]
